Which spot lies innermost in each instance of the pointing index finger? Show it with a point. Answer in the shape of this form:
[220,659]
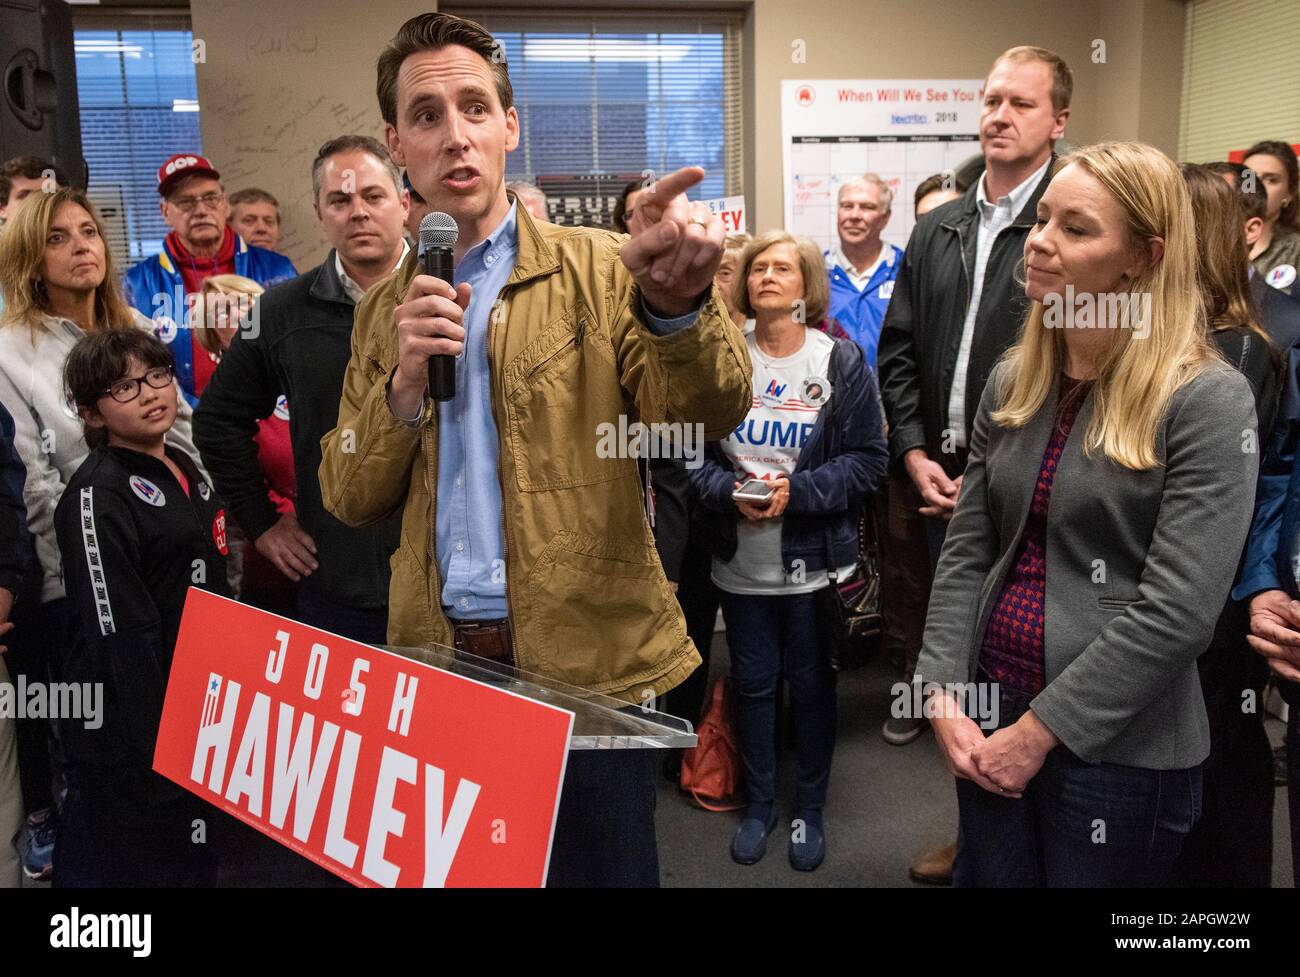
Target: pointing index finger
[665,188]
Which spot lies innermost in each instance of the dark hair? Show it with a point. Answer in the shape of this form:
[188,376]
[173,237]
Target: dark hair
[432,32]
[29,168]
[253,195]
[1223,167]
[415,194]
[1284,154]
[619,217]
[1252,197]
[100,359]
[938,181]
[344,144]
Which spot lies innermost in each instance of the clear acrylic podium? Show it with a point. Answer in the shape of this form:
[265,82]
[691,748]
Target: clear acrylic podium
[599,722]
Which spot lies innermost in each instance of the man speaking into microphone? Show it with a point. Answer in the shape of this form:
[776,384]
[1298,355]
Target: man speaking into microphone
[522,541]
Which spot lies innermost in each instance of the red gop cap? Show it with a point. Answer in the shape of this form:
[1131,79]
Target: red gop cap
[183,164]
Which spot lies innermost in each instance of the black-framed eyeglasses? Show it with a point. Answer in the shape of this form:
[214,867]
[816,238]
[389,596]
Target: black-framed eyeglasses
[126,390]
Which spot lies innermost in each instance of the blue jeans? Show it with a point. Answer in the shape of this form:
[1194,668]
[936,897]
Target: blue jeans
[768,637]
[1077,824]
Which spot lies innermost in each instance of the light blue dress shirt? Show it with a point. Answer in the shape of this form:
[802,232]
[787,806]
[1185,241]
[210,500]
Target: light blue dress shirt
[469,532]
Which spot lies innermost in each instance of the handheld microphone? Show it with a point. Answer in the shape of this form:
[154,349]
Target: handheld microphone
[438,234]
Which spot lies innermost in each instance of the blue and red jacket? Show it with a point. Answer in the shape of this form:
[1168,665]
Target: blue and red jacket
[862,313]
[156,287]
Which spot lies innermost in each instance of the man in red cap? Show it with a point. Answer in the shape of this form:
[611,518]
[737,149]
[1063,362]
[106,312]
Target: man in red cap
[201,244]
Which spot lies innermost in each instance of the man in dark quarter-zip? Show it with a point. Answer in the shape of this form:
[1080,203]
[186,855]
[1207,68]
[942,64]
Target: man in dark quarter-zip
[521,541]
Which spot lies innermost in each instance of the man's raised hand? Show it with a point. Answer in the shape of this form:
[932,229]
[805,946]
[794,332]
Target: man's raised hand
[676,245]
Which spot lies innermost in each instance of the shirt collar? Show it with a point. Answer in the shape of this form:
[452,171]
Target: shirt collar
[49,320]
[350,287]
[1015,200]
[503,241]
[836,257]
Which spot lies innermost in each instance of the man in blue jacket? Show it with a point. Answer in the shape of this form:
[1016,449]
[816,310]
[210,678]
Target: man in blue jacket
[863,268]
[201,244]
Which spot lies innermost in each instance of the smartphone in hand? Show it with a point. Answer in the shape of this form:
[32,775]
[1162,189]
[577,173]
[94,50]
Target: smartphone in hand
[755,490]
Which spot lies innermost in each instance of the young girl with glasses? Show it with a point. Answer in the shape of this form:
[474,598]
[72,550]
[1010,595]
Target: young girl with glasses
[137,526]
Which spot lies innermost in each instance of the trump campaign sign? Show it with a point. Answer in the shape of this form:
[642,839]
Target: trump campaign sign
[384,770]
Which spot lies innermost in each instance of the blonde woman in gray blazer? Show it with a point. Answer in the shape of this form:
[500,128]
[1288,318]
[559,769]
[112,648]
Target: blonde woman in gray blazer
[1101,518]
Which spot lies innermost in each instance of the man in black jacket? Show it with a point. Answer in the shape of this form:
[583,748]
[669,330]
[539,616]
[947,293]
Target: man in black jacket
[958,305]
[297,344]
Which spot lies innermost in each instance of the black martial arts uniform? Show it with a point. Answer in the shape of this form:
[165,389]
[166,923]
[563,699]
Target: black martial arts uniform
[133,541]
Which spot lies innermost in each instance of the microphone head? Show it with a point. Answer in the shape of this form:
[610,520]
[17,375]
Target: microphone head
[438,230]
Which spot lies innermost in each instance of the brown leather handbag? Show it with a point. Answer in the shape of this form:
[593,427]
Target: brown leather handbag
[711,769]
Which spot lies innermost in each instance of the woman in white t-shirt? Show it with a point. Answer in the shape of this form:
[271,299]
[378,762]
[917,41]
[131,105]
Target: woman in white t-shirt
[814,435]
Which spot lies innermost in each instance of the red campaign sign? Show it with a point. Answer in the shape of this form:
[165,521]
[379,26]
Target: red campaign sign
[386,771]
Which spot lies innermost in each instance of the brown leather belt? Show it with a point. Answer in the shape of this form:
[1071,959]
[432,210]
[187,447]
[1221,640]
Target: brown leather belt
[485,639]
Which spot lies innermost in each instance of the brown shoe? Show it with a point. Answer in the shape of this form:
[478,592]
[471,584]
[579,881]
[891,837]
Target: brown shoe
[934,867]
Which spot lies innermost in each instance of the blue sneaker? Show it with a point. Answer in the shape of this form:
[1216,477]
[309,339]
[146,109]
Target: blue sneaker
[807,843]
[36,846]
[750,842]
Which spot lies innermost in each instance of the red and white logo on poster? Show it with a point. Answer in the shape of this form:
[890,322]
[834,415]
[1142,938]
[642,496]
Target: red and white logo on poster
[384,770]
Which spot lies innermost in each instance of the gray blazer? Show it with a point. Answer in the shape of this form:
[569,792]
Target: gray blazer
[1138,569]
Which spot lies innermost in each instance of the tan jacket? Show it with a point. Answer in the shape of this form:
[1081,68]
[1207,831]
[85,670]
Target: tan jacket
[589,602]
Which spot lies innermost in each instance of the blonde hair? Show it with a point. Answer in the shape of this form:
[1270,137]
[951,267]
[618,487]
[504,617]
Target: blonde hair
[1140,373]
[22,249]
[734,245]
[816,284]
[222,285]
